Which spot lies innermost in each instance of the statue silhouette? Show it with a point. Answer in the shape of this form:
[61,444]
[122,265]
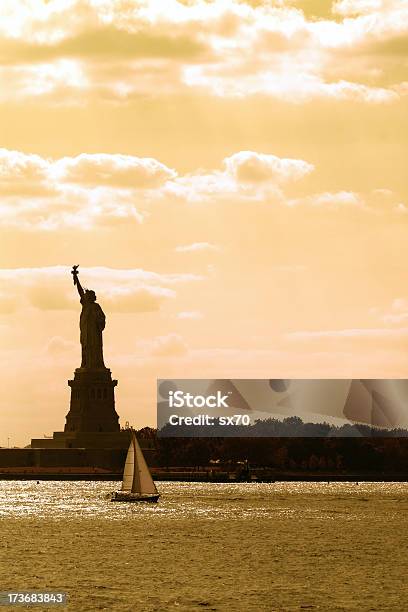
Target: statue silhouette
[91,323]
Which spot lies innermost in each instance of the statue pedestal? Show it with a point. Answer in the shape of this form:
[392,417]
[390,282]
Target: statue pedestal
[92,407]
[92,421]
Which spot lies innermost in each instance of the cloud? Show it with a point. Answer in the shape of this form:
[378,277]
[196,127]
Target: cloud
[105,42]
[395,318]
[23,174]
[245,175]
[376,201]
[252,167]
[55,51]
[75,192]
[63,81]
[196,247]
[140,299]
[59,346]
[290,86]
[346,333]
[278,52]
[171,345]
[190,315]
[354,338]
[50,288]
[128,299]
[400,304]
[249,176]
[48,296]
[393,46]
[125,171]
[101,189]
[395,315]
[330,200]
[125,276]
[348,8]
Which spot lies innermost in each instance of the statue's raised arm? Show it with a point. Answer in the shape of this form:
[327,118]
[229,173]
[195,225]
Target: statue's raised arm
[75,273]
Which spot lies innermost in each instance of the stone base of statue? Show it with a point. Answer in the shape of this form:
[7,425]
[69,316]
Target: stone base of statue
[92,421]
[92,406]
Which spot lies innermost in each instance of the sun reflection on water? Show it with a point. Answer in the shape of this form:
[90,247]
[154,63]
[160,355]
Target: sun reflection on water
[70,500]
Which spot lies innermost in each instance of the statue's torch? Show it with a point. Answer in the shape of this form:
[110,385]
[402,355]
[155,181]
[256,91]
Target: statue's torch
[74,273]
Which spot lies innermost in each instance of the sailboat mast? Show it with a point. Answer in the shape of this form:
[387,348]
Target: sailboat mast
[136,486]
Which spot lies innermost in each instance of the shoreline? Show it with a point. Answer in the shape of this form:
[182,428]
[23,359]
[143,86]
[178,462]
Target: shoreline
[205,476]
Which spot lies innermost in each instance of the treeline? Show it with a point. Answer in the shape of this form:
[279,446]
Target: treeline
[334,454]
[289,427]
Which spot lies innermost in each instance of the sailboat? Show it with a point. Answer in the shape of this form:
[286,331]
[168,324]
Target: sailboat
[137,483]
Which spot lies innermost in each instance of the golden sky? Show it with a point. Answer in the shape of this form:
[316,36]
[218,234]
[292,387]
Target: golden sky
[231,178]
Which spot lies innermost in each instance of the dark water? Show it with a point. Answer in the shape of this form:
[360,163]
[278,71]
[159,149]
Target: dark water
[282,546]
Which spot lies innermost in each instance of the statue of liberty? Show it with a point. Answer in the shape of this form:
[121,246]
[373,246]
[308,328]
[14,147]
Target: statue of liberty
[91,323]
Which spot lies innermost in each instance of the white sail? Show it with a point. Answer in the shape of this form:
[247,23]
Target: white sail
[142,479]
[128,472]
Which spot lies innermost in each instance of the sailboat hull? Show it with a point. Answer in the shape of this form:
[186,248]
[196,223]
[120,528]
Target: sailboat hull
[126,496]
